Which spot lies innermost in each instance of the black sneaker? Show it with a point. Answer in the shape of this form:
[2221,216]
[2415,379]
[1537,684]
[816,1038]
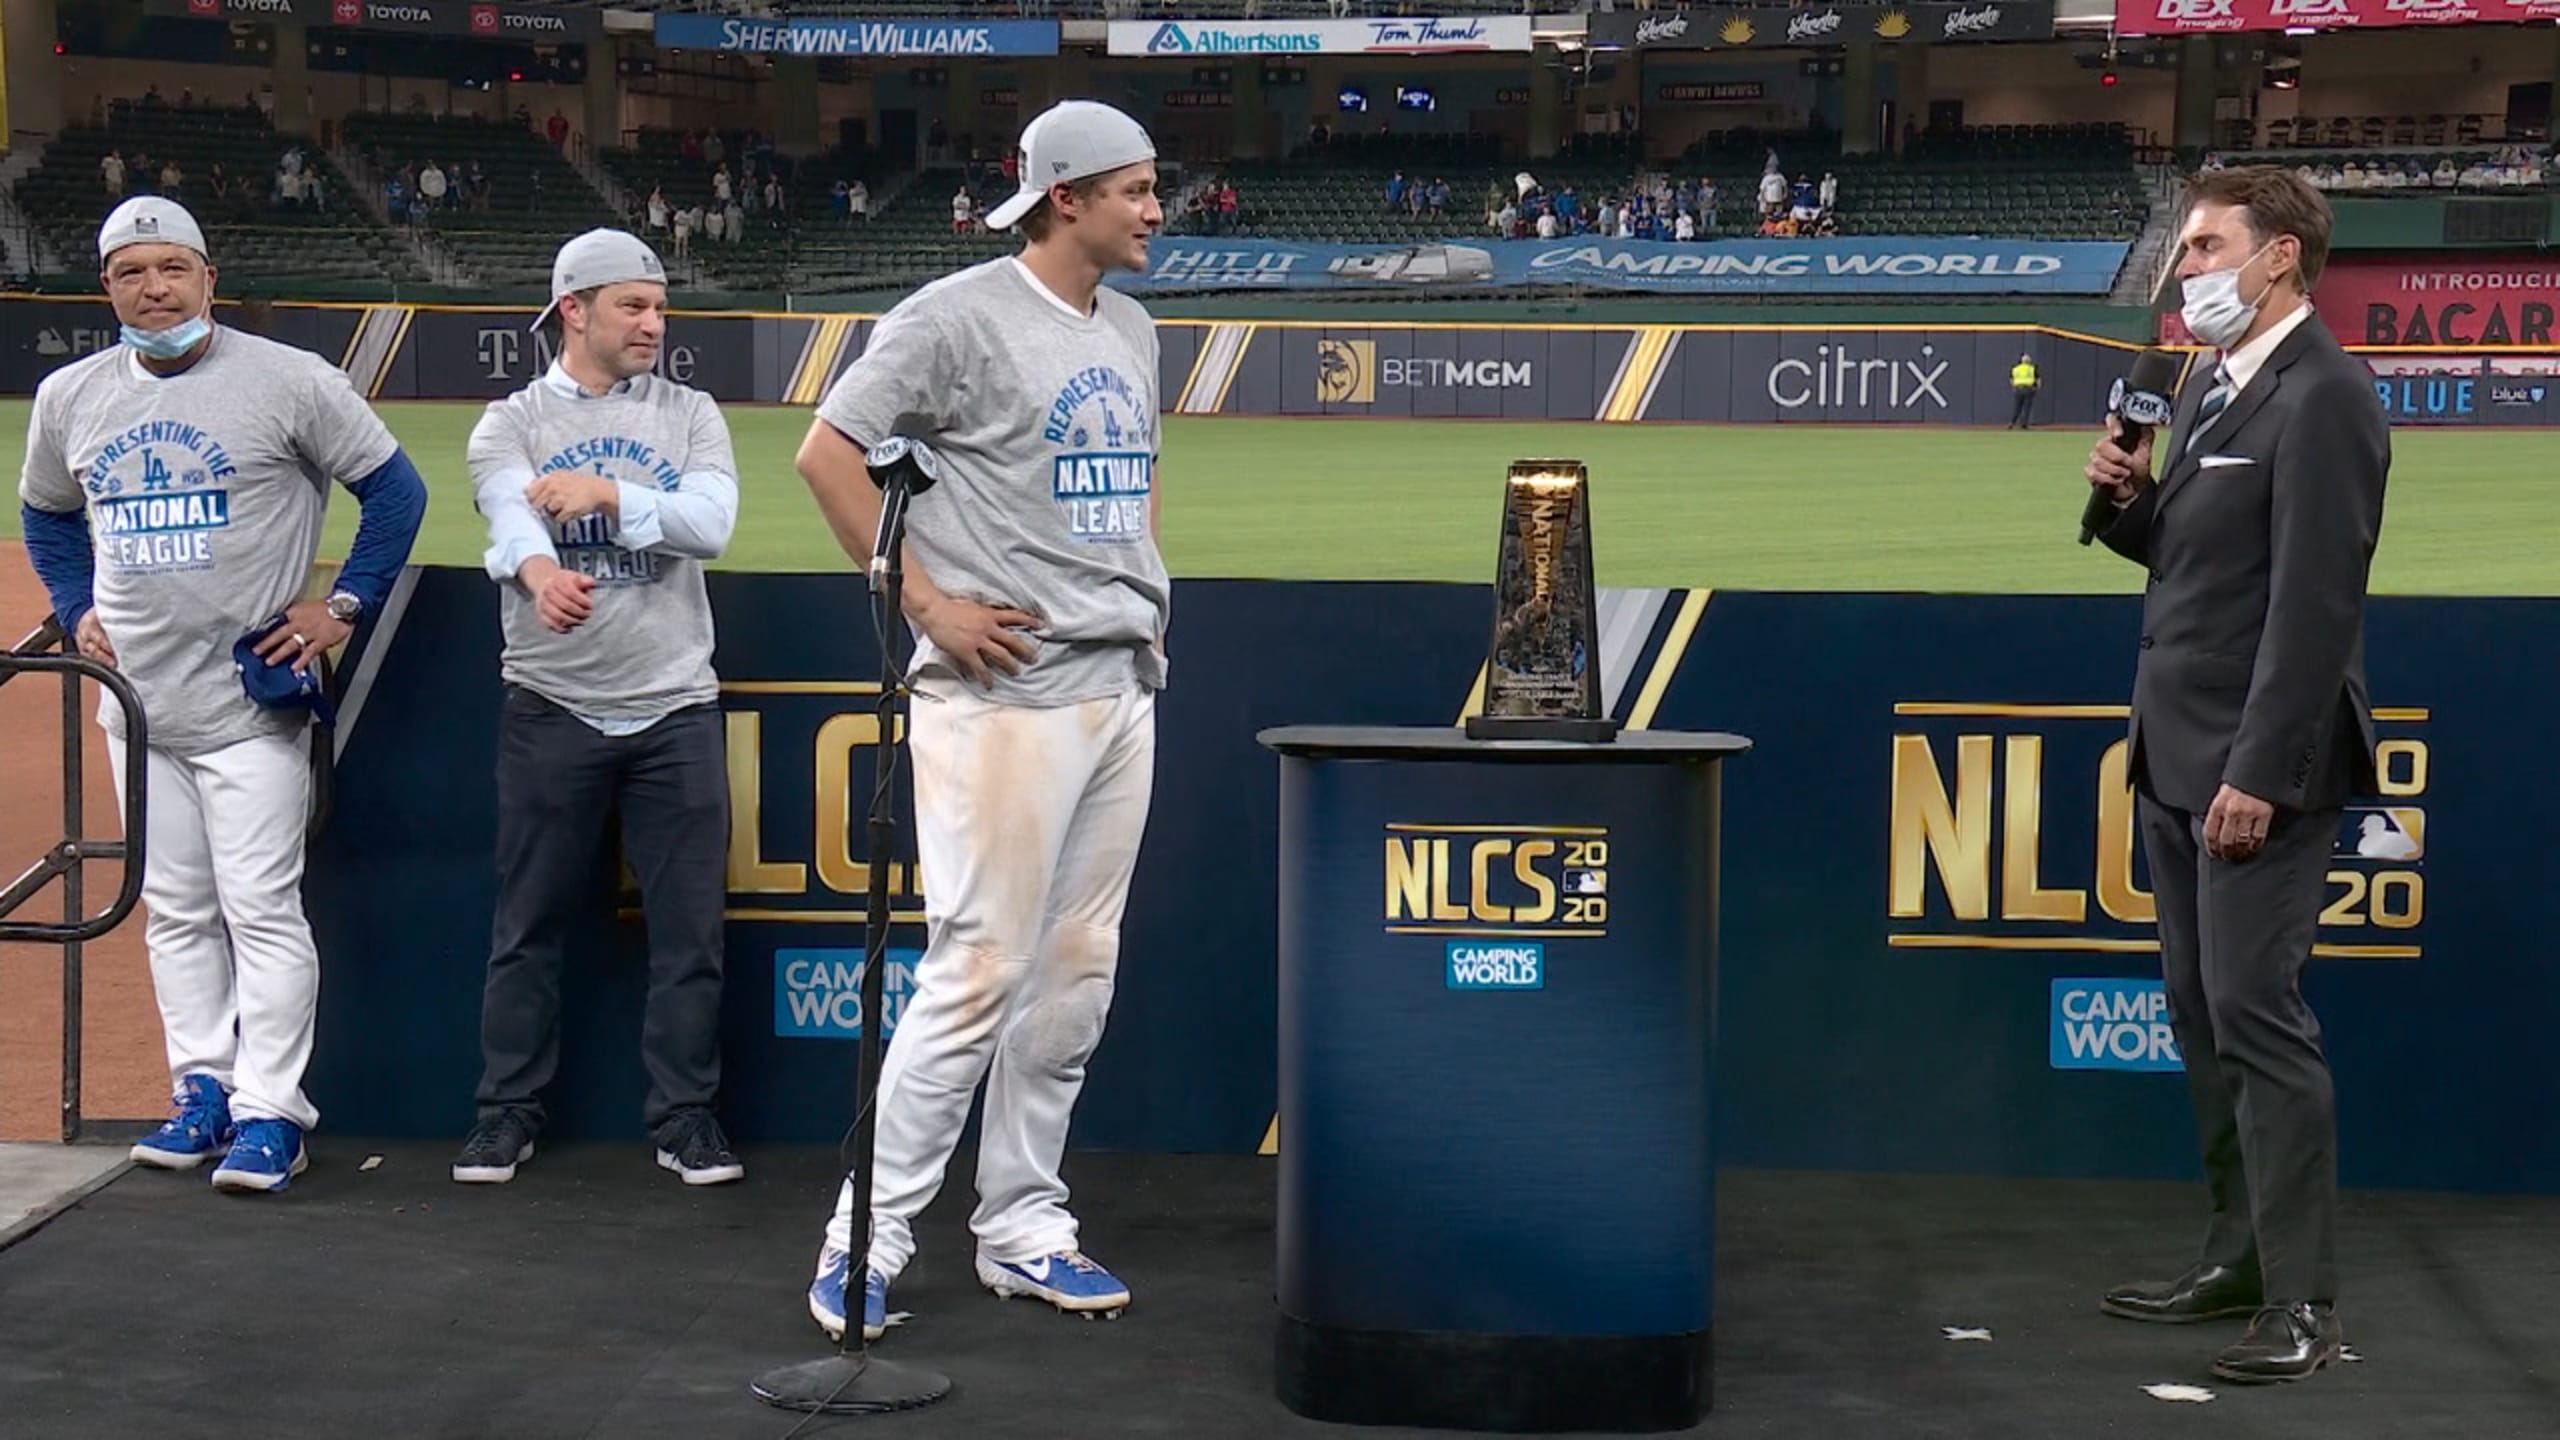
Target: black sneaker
[495,1147]
[692,1146]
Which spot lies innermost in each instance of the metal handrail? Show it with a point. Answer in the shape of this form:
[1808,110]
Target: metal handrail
[64,860]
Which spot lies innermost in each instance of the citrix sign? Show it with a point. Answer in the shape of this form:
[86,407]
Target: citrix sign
[1836,376]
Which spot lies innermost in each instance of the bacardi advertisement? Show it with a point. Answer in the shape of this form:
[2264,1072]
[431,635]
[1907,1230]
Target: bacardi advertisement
[2426,301]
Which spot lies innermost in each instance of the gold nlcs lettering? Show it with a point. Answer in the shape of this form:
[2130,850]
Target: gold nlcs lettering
[840,782]
[1947,830]
[1423,874]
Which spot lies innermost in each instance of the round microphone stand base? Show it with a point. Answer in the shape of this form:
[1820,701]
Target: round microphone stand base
[855,1382]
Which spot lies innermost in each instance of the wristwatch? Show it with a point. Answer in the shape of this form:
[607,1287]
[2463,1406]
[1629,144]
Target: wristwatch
[344,607]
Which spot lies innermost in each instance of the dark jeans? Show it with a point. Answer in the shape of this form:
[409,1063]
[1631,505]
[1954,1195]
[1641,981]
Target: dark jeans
[2022,416]
[560,782]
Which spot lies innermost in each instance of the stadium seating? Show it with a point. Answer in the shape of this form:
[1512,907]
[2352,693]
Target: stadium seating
[256,242]
[804,248]
[2039,182]
[536,198]
[2375,132]
[2478,169]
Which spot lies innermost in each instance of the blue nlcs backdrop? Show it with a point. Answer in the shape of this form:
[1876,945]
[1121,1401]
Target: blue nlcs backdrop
[1909,756]
[858,37]
[1775,267]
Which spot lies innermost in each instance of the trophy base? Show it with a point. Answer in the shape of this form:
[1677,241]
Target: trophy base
[1573,729]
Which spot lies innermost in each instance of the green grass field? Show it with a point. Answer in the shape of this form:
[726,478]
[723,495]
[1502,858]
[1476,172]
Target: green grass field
[1751,507]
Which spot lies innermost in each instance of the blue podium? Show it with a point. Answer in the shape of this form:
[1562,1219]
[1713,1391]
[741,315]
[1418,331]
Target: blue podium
[1497,1028]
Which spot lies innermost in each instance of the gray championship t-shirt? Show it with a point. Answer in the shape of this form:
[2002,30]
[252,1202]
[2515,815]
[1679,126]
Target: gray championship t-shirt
[1045,422]
[646,651]
[204,491]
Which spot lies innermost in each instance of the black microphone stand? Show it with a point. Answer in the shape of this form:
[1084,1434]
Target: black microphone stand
[853,1381]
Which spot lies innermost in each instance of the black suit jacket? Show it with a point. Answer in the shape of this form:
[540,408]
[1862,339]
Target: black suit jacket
[2259,538]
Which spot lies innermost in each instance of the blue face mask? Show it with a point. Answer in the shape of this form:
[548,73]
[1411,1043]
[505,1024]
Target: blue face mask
[171,343]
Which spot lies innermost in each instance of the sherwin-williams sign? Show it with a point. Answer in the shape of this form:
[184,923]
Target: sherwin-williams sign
[858,37]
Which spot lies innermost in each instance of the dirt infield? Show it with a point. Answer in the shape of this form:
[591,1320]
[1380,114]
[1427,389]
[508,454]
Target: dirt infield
[122,1070]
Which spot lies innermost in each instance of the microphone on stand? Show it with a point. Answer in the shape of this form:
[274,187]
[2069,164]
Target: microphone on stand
[2139,403]
[903,469]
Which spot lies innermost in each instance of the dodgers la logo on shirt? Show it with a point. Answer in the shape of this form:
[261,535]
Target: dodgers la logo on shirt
[1101,479]
[586,544]
[156,497]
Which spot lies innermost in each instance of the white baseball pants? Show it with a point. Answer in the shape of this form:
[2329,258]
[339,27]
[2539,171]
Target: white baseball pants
[232,959]
[1027,827]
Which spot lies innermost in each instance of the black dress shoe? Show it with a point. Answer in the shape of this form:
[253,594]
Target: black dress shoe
[2285,1342]
[2206,1292]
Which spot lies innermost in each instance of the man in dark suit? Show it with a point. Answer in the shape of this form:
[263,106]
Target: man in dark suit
[2251,728]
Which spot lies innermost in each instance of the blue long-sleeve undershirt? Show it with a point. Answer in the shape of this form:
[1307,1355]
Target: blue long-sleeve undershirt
[58,546]
[392,499]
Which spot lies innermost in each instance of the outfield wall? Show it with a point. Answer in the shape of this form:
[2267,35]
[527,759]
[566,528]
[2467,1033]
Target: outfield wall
[1778,374]
[1937,948]
[1944,374]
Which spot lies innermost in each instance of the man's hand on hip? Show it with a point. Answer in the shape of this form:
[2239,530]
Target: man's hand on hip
[2235,828]
[309,631]
[978,638]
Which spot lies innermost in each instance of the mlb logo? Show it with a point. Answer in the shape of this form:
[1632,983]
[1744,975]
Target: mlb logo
[1586,882]
[484,19]
[2381,832]
[347,12]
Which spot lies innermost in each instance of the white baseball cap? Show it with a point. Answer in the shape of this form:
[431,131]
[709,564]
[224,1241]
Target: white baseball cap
[600,257]
[1071,140]
[149,220]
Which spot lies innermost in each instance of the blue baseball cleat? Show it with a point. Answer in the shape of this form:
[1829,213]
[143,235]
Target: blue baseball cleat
[826,1297]
[198,1128]
[1066,1279]
[265,1156]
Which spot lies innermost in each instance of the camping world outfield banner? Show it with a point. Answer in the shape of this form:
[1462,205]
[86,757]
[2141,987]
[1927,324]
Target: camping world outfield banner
[858,37]
[1769,27]
[1399,35]
[2192,17]
[1764,267]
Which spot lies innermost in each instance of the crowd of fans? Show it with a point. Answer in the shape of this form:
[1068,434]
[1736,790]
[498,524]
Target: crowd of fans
[2510,166]
[1655,207]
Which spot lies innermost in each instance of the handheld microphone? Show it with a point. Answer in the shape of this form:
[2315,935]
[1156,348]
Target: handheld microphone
[903,469]
[2139,403]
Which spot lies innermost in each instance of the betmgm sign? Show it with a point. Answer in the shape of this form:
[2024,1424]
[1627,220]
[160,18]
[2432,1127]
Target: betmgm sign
[2012,829]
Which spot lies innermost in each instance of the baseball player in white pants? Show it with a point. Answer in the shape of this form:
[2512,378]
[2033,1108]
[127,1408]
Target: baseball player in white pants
[1039,602]
[172,497]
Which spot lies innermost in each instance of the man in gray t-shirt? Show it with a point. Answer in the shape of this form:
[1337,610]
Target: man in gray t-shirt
[606,487]
[173,496]
[1039,603]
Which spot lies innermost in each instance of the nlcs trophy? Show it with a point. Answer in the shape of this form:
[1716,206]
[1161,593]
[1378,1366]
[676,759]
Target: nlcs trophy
[1542,677]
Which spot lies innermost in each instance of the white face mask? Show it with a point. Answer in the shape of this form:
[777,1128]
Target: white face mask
[2212,307]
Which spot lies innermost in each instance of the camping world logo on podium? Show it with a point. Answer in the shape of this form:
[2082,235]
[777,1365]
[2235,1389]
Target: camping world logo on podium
[1497,883]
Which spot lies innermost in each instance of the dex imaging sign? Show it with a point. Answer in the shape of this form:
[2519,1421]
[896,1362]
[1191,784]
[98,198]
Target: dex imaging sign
[1395,35]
